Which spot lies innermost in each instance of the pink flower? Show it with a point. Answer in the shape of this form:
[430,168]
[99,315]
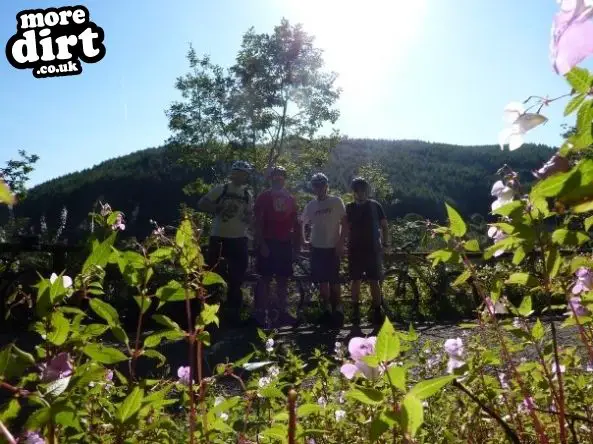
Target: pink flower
[572,35]
[496,308]
[584,281]
[496,234]
[528,404]
[454,349]
[556,164]
[359,348]
[119,223]
[183,373]
[575,304]
[105,209]
[109,375]
[518,123]
[32,438]
[59,367]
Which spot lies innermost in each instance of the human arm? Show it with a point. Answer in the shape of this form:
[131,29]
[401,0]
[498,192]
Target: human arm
[385,237]
[208,202]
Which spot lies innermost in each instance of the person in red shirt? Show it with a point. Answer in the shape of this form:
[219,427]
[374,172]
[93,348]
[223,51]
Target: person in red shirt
[278,241]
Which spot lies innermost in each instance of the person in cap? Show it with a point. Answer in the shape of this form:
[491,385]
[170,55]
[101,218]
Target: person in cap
[278,241]
[326,215]
[232,206]
[368,235]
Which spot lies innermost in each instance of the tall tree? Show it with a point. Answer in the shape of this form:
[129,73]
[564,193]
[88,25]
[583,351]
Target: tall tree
[275,92]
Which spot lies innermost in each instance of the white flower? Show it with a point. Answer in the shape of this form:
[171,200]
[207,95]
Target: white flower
[322,401]
[264,381]
[518,123]
[503,383]
[340,414]
[273,371]
[269,345]
[224,416]
[497,235]
[218,400]
[341,397]
[66,280]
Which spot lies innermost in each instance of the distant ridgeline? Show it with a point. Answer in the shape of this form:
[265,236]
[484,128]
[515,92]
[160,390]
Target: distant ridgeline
[148,184]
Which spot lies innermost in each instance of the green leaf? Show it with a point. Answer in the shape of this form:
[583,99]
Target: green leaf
[130,405]
[456,223]
[57,387]
[555,185]
[208,315]
[60,329]
[272,392]
[472,245]
[397,375]
[105,311]
[120,334]
[11,411]
[553,262]
[25,357]
[211,278]
[427,388]
[446,256]
[161,254]
[100,253]
[104,355]
[155,339]
[574,104]
[563,236]
[583,207]
[588,223]
[166,322]
[367,396]
[143,303]
[509,209]
[92,330]
[155,355]
[538,330]
[308,409]
[522,279]
[378,427]
[6,196]
[387,346]
[579,79]
[584,118]
[519,255]
[462,278]
[38,419]
[172,292]
[190,250]
[525,307]
[412,413]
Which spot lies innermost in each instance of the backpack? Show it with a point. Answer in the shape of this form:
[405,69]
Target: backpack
[224,192]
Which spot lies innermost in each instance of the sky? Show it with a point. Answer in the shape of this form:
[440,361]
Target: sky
[434,70]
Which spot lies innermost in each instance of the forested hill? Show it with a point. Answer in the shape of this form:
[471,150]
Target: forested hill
[148,184]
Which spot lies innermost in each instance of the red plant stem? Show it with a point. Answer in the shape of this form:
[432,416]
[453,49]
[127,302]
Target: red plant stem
[582,333]
[17,391]
[561,416]
[506,356]
[191,339]
[4,431]
[137,344]
[292,395]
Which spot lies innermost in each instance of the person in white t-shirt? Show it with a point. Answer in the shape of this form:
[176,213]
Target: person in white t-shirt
[232,206]
[327,217]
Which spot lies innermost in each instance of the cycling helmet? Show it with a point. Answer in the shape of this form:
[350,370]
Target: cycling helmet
[278,169]
[241,165]
[359,183]
[320,179]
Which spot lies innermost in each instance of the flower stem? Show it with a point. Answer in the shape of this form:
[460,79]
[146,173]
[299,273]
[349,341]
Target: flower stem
[292,395]
[561,416]
[191,339]
[4,431]
[509,432]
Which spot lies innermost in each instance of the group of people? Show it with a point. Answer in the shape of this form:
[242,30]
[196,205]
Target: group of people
[330,229]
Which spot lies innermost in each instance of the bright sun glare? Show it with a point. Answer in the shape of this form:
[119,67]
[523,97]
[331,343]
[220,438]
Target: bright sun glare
[364,41]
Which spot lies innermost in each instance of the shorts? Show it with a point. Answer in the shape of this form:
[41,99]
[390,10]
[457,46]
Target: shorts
[325,265]
[278,262]
[366,265]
